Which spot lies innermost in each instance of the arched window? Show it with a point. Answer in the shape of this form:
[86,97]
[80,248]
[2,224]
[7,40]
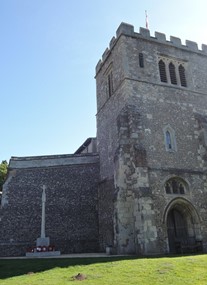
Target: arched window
[169,139]
[172,73]
[162,69]
[175,186]
[182,76]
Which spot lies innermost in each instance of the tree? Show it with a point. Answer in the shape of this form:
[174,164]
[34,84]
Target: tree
[3,172]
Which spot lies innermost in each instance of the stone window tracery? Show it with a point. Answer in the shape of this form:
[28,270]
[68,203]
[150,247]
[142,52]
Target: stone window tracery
[172,71]
[175,186]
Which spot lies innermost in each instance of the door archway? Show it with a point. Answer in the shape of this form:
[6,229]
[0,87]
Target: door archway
[183,223]
[176,228]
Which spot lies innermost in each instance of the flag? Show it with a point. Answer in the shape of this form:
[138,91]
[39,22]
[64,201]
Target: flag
[146,20]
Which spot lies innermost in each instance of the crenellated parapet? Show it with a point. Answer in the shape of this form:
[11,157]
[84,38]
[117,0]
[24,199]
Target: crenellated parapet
[128,30]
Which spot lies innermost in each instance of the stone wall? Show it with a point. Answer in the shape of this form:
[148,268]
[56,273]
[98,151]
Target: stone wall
[106,213]
[71,206]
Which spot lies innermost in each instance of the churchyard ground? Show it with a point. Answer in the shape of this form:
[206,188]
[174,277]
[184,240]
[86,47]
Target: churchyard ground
[105,271]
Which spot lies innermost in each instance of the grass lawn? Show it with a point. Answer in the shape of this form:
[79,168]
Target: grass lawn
[111,270]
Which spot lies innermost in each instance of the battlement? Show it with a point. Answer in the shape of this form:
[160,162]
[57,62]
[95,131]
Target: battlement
[128,30]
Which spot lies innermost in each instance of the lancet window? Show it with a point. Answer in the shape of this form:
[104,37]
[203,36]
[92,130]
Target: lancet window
[172,73]
[162,69]
[169,139]
[182,75]
[110,84]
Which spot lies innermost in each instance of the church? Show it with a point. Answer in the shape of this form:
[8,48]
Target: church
[140,186]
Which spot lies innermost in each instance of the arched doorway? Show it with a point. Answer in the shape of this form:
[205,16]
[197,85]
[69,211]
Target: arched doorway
[177,228]
[183,226]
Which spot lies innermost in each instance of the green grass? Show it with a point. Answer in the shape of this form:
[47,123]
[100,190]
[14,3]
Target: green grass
[114,270]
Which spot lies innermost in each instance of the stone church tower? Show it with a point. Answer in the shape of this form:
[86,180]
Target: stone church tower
[140,187]
[152,142]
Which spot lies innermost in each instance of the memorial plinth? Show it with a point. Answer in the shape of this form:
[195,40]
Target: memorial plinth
[43,253]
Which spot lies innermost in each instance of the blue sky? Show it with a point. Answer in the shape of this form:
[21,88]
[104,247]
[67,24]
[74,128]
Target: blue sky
[48,53]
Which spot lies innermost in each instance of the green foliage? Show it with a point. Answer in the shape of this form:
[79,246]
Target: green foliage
[3,172]
[189,270]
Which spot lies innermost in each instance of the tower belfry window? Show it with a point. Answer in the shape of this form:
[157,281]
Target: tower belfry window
[162,69]
[172,73]
[182,75]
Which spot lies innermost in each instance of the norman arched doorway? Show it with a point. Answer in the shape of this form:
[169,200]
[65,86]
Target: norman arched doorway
[183,226]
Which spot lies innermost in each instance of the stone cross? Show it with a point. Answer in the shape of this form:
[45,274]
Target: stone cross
[43,242]
[43,211]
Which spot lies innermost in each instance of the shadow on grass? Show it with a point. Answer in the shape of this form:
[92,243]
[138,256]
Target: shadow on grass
[16,267]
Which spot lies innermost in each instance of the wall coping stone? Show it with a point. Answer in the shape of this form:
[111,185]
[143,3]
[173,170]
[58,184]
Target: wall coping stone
[52,160]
